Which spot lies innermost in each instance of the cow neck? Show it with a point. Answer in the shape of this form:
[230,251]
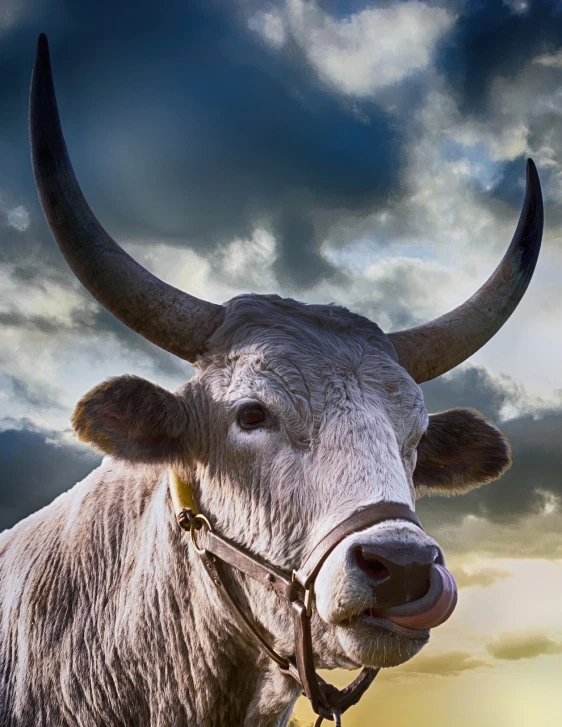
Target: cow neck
[297,589]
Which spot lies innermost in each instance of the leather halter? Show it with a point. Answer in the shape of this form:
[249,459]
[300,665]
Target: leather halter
[298,589]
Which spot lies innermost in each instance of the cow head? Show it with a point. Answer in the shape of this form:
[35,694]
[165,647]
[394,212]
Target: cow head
[299,415]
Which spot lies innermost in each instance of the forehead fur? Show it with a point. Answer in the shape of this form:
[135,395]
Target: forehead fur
[274,325]
[302,360]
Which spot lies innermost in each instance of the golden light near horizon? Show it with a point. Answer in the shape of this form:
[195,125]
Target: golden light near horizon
[476,669]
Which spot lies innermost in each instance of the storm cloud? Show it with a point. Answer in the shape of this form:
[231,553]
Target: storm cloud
[193,149]
[35,467]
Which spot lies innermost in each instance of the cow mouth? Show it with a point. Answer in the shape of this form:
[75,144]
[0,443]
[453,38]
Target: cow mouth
[386,624]
[414,619]
[425,613]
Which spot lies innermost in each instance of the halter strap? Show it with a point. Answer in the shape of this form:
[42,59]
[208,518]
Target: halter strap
[326,701]
[360,520]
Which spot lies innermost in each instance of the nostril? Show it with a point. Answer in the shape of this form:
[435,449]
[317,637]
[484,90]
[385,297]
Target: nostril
[378,571]
[439,558]
[373,567]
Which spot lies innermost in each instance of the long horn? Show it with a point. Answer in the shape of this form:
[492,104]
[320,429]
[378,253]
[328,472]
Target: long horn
[170,318]
[434,348]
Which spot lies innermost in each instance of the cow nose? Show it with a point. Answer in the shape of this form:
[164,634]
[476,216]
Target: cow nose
[398,572]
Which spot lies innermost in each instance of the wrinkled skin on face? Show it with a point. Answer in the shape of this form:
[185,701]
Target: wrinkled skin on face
[299,416]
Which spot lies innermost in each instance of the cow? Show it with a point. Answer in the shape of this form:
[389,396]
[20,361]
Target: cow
[298,416]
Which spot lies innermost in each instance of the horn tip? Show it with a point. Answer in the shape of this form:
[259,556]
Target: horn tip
[531,169]
[534,186]
[528,235]
[42,46]
[42,64]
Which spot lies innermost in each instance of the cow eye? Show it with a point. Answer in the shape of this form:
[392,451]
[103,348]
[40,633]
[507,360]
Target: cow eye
[251,416]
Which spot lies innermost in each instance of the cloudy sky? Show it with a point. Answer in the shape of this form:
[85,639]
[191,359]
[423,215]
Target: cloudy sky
[371,154]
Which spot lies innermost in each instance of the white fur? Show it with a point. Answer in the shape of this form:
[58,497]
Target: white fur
[107,617]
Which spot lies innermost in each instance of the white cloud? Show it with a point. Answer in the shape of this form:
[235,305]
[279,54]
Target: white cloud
[536,536]
[518,7]
[53,301]
[246,264]
[270,26]
[371,49]
[18,218]
[238,266]
[472,574]
[553,60]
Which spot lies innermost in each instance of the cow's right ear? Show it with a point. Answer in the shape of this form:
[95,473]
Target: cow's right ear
[133,419]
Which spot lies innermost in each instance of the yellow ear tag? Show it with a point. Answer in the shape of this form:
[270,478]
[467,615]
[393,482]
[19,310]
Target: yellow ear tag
[182,496]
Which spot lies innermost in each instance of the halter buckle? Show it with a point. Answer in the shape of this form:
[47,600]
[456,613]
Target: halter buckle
[199,522]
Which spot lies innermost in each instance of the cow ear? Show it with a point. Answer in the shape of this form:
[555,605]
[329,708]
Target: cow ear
[460,450]
[132,419]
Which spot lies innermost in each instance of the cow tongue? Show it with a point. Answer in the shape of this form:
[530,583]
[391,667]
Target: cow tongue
[432,609]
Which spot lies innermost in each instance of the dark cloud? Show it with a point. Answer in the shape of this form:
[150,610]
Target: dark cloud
[35,467]
[515,646]
[474,387]
[38,396]
[16,319]
[448,664]
[183,127]
[490,51]
[490,40]
[300,265]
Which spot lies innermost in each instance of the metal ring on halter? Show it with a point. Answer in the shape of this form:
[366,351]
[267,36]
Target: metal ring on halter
[336,714]
[202,521]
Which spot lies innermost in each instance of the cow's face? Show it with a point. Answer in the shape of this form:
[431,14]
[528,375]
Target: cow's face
[300,416]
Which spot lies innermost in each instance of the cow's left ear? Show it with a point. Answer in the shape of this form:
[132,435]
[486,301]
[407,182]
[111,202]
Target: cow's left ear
[460,450]
[133,419]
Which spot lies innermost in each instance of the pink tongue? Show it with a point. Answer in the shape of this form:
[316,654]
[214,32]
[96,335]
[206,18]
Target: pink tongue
[431,610]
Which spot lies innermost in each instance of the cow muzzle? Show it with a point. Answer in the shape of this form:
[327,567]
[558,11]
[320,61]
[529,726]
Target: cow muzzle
[400,585]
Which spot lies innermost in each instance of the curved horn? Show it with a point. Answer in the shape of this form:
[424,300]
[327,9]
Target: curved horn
[170,318]
[434,348]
